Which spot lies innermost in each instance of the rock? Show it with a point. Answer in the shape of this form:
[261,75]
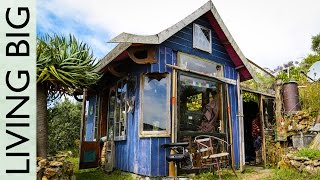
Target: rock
[55,164]
[295,164]
[302,166]
[309,169]
[301,158]
[43,163]
[49,172]
[39,159]
[308,162]
[316,162]
[68,168]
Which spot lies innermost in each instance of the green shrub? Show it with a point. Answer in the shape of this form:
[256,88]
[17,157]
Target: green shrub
[309,153]
[64,126]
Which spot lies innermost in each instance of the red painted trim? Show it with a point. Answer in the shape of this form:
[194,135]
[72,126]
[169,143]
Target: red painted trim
[244,73]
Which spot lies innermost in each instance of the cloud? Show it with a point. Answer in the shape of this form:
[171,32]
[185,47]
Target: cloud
[269,32]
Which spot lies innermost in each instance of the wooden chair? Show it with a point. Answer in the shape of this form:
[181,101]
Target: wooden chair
[213,151]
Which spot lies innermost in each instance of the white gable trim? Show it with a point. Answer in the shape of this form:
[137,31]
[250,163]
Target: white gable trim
[165,34]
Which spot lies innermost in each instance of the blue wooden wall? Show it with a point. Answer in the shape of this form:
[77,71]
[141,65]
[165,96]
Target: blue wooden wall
[231,73]
[144,156]
[182,41]
[90,118]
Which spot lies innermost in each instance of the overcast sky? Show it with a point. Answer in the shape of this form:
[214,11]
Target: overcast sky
[268,32]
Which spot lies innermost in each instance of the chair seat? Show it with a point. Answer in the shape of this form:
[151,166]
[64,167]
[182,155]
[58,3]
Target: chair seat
[215,155]
[175,157]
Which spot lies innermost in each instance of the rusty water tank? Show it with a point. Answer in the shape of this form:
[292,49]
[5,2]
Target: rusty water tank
[290,94]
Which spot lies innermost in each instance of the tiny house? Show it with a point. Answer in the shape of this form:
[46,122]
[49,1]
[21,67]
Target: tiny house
[155,90]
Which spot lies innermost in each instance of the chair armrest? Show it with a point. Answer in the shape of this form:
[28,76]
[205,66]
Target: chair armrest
[213,137]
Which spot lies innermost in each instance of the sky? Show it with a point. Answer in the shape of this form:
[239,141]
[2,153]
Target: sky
[270,33]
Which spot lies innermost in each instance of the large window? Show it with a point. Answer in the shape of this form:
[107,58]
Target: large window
[202,38]
[155,105]
[121,111]
[200,106]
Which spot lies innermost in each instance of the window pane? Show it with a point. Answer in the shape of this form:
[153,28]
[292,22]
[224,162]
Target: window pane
[202,38]
[117,130]
[155,103]
[199,105]
[121,110]
[195,64]
[111,115]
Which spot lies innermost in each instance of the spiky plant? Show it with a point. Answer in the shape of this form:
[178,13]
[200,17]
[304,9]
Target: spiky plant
[64,66]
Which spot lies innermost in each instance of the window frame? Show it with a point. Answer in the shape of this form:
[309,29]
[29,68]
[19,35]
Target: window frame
[165,133]
[197,58]
[120,137]
[223,101]
[96,119]
[194,36]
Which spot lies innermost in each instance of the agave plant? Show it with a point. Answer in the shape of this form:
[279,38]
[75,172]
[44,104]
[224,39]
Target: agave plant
[64,66]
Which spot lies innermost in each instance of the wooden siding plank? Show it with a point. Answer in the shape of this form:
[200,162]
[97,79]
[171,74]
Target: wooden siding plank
[188,44]
[144,159]
[162,67]
[180,47]
[155,148]
[235,126]
[162,165]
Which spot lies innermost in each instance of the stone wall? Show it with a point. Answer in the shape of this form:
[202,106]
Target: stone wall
[54,168]
[300,163]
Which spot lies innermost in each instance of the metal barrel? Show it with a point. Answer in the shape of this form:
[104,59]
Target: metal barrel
[290,96]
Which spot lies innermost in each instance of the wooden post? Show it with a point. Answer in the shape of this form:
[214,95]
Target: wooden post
[264,158]
[172,170]
[278,112]
[230,125]
[241,128]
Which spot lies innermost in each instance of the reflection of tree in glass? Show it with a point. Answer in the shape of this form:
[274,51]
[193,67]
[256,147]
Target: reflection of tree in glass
[194,103]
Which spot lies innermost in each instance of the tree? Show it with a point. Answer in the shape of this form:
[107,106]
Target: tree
[316,43]
[64,123]
[64,66]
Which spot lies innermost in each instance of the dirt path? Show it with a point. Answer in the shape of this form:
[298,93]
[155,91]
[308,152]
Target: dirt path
[259,174]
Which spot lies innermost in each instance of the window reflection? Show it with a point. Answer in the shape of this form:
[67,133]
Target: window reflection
[199,104]
[155,102]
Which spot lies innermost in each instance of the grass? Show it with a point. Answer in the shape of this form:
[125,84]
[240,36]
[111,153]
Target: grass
[96,173]
[276,174]
[227,174]
[309,153]
[292,174]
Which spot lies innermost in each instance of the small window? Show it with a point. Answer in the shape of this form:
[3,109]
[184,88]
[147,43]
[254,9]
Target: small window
[197,64]
[155,105]
[202,38]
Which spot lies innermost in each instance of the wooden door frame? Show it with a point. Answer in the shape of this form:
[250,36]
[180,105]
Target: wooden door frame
[89,145]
